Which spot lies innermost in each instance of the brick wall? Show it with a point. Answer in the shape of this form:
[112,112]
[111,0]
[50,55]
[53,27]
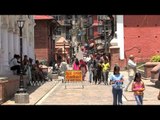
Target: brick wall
[143,32]
[41,40]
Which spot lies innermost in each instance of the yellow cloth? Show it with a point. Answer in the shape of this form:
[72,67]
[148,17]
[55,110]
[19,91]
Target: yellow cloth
[105,67]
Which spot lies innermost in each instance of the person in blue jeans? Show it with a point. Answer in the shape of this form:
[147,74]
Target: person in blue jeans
[138,88]
[90,68]
[117,82]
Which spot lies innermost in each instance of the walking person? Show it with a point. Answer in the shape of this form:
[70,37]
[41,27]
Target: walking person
[99,71]
[90,68]
[131,71]
[138,88]
[95,65]
[25,64]
[14,64]
[105,70]
[76,65]
[117,81]
[83,68]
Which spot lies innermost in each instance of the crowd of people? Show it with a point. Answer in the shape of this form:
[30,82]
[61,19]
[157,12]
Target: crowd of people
[34,71]
[99,68]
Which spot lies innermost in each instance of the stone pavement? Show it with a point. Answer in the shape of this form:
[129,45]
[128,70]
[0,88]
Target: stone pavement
[74,94]
[54,93]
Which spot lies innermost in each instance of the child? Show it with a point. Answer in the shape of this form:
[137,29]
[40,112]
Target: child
[138,88]
[117,81]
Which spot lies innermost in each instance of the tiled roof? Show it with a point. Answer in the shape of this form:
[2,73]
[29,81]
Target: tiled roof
[42,17]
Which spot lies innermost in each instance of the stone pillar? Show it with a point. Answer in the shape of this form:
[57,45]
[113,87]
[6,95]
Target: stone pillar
[25,37]
[16,43]
[120,35]
[27,42]
[4,38]
[0,36]
[1,59]
[24,46]
[32,53]
[10,44]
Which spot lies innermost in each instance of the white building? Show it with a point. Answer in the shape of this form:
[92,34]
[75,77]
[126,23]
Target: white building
[10,42]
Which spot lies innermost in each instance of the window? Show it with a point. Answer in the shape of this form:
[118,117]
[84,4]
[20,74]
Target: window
[29,16]
[58,32]
[70,16]
[99,17]
[90,20]
[100,28]
[91,32]
[58,17]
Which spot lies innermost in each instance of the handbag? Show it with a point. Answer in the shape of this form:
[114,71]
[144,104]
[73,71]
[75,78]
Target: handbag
[158,97]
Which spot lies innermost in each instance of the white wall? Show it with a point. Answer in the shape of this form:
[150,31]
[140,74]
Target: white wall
[120,35]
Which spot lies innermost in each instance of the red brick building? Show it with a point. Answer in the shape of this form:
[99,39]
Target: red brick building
[44,43]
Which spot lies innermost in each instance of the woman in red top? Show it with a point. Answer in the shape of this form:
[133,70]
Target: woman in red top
[76,65]
[83,67]
[138,88]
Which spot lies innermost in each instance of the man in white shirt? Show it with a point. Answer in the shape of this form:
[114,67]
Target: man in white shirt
[88,58]
[14,65]
[131,70]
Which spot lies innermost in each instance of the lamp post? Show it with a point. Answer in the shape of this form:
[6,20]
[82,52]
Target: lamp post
[21,89]
[21,96]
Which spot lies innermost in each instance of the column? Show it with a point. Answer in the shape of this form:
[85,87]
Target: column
[24,46]
[0,35]
[10,44]
[32,45]
[1,59]
[120,35]
[16,43]
[4,38]
[24,36]
[30,52]
[27,40]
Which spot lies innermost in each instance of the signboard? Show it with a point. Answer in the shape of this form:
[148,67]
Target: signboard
[73,75]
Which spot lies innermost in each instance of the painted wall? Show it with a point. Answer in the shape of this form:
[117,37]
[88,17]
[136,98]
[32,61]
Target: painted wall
[142,36]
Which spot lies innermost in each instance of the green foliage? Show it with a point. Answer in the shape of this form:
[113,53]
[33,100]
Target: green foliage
[155,58]
[140,65]
[43,62]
